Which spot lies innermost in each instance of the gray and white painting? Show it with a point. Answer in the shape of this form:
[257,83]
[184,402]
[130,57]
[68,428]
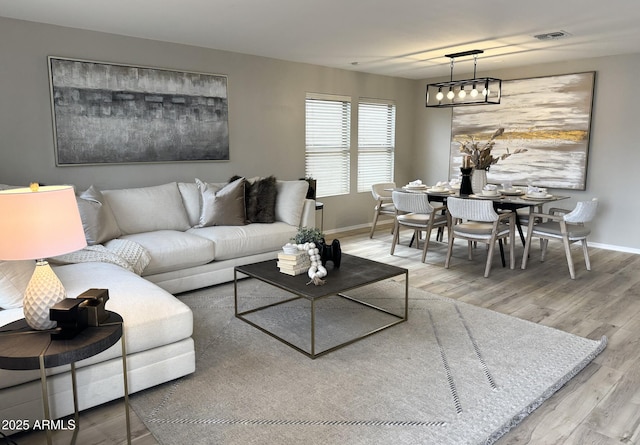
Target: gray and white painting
[548,116]
[105,113]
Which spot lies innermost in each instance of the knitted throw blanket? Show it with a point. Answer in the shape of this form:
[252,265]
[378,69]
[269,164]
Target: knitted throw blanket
[124,253]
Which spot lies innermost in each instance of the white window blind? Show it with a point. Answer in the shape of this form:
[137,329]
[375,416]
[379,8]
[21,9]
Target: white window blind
[376,143]
[328,143]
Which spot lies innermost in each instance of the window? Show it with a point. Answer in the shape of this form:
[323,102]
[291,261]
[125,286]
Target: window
[328,143]
[376,142]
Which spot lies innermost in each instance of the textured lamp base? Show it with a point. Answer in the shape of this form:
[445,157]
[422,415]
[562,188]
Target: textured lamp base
[44,290]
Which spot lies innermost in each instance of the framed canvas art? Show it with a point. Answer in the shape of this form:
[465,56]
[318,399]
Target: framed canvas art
[105,113]
[549,116]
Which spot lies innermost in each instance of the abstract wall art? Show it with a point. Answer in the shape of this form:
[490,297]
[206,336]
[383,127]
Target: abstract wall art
[105,113]
[549,116]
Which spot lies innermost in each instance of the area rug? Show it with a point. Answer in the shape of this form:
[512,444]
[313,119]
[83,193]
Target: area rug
[452,374]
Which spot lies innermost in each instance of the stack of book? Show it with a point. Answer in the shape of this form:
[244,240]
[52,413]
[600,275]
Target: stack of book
[294,263]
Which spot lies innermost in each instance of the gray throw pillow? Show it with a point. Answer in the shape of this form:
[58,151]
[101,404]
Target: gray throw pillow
[222,206]
[98,221]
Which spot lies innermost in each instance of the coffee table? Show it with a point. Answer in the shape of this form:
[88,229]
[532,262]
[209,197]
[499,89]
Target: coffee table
[354,272]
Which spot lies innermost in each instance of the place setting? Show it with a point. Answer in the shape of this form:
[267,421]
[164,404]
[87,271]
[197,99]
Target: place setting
[537,194]
[509,190]
[416,185]
[444,188]
[440,188]
[489,191]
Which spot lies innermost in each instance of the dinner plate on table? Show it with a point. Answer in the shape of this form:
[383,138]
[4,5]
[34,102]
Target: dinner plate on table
[538,198]
[438,192]
[511,192]
[485,196]
[415,187]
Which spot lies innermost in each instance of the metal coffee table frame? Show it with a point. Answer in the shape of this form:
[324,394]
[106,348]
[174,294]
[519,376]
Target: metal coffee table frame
[355,272]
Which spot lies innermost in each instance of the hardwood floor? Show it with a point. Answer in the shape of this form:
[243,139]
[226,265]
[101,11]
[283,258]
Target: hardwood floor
[600,406]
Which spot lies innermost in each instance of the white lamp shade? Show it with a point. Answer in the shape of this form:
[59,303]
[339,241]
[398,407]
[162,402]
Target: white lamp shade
[39,224]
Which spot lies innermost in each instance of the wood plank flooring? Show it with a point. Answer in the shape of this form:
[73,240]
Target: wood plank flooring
[600,406]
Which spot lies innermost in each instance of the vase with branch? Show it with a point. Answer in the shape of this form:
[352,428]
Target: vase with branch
[478,156]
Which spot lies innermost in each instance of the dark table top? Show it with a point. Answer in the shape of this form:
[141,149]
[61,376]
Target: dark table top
[353,272]
[500,200]
[21,346]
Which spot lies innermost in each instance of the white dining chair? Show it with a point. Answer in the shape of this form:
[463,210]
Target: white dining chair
[565,225]
[416,212]
[384,205]
[476,220]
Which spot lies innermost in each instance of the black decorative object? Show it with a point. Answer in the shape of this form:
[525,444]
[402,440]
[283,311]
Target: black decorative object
[70,316]
[465,185]
[331,252]
[311,192]
[94,300]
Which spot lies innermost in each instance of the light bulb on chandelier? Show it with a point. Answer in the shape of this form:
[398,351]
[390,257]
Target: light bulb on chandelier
[485,90]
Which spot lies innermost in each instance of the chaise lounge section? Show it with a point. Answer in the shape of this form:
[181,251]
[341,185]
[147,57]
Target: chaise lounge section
[167,239]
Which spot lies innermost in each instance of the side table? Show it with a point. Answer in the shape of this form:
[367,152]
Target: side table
[22,348]
[320,206]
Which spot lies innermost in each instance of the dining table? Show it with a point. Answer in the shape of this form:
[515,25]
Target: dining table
[503,200]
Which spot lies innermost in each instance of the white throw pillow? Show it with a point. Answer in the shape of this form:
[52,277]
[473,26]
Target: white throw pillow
[14,278]
[191,200]
[146,209]
[290,201]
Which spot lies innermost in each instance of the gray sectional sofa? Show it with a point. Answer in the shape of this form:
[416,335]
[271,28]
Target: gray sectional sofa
[146,244]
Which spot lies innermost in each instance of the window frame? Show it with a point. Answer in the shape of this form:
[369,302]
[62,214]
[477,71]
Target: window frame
[328,156]
[376,147]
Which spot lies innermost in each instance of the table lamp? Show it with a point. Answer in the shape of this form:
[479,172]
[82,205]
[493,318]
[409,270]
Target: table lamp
[37,223]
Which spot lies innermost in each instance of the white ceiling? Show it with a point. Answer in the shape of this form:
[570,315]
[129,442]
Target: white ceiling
[404,38]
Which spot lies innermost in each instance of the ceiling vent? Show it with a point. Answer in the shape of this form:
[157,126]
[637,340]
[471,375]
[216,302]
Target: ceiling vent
[555,35]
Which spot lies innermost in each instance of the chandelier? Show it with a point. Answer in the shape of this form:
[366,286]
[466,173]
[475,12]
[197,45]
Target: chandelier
[455,93]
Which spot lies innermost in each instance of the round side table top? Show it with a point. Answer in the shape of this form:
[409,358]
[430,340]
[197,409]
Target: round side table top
[21,346]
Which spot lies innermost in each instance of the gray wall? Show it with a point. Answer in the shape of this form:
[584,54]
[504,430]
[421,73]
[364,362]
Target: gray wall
[266,117]
[613,151]
[266,112]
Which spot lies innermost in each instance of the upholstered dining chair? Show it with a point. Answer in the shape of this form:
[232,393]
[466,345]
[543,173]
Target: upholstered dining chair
[476,220]
[384,206]
[566,225]
[416,212]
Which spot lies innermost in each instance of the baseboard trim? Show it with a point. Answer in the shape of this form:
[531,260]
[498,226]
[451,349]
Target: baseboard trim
[346,229]
[367,226]
[616,248]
